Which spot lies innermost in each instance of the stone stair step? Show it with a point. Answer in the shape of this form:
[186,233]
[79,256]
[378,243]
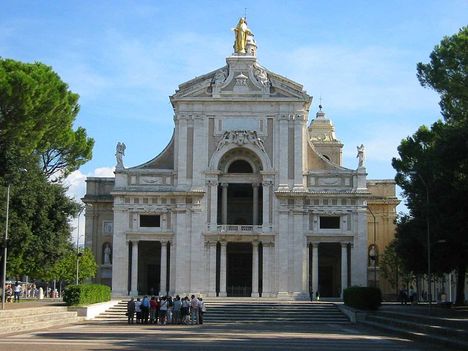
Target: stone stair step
[450,342]
[421,326]
[33,319]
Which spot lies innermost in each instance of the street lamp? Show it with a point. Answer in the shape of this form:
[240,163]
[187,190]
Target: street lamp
[428,239]
[374,257]
[78,253]
[5,243]
[5,247]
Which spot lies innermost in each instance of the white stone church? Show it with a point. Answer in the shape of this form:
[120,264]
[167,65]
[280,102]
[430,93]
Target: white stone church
[247,199]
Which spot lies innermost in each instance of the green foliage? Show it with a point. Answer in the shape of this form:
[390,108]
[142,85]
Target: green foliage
[392,267]
[36,117]
[39,229]
[86,294]
[65,268]
[365,298]
[432,170]
[447,74]
[37,112]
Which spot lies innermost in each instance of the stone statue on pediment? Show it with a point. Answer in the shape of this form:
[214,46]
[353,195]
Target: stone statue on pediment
[262,76]
[360,155]
[220,77]
[119,154]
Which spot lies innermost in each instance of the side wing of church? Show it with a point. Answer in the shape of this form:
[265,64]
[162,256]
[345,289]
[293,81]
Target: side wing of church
[247,199]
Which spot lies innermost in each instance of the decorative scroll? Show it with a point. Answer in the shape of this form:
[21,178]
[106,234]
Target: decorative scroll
[240,137]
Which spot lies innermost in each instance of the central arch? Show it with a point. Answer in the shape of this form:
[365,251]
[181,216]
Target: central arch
[240,192]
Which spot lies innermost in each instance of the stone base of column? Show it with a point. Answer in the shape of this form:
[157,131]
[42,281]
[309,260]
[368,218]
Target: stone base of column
[222,294]
[255,294]
[119,293]
[302,296]
[283,295]
[133,293]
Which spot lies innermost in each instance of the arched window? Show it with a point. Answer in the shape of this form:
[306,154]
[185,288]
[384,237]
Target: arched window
[240,166]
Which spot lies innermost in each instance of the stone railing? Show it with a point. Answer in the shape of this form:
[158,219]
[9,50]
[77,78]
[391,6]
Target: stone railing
[236,229]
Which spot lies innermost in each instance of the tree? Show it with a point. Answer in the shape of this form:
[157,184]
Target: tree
[432,170]
[447,74]
[65,268]
[37,111]
[392,267]
[39,223]
[36,117]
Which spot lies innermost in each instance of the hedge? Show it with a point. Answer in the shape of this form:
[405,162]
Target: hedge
[365,298]
[86,294]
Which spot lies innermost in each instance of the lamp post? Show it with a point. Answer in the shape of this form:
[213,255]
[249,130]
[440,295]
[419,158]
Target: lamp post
[5,248]
[375,249]
[78,253]
[428,240]
[5,242]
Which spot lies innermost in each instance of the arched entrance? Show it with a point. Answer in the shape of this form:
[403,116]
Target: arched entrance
[240,193]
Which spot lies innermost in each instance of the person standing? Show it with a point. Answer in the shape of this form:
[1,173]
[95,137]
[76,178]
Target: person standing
[201,310]
[194,310]
[163,310]
[131,311]
[138,310]
[17,292]
[153,310]
[145,306]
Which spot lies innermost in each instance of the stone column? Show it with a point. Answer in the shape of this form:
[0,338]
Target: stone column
[266,203]
[172,268]
[214,203]
[344,267]
[224,202]
[212,287]
[255,269]
[134,283]
[315,267]
[163,275]
[222,267]
[267,248]
[255,203]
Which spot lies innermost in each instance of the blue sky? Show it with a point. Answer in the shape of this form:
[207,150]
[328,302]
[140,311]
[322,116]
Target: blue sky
[125,58]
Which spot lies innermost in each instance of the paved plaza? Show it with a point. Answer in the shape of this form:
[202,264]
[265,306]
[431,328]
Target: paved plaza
[257,336]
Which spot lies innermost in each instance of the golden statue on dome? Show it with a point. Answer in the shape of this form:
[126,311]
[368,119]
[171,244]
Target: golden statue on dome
[242,32]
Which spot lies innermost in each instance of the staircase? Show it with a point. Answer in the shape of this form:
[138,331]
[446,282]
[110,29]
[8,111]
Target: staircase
[448,331]
[251,311]
[24,319]
[272,311]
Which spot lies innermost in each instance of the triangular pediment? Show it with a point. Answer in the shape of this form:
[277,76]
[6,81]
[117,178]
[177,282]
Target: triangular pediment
[242,77]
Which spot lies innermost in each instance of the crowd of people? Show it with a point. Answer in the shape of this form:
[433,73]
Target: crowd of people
[16,291]
[164,310]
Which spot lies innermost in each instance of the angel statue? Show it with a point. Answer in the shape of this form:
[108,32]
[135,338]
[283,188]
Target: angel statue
[360,155]
[119,153]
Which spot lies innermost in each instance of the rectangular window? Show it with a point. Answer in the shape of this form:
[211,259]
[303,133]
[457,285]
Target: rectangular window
[150,221]
[329,222]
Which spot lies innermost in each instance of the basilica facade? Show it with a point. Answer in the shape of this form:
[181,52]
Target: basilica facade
[249,198]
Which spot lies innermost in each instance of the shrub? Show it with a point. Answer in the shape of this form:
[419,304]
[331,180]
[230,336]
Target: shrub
[366,298]
[86,294]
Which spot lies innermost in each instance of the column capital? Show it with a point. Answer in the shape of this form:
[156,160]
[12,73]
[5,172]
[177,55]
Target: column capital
[255,185]
[343,245]
[224,185]
[255,243]
[223,243]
